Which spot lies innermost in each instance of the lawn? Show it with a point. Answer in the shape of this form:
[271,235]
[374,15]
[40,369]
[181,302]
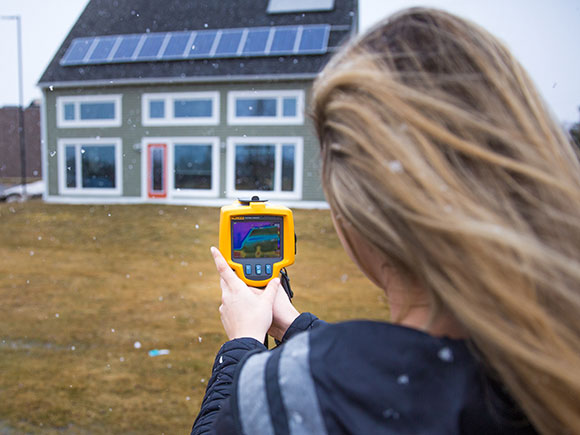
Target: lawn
[87,291]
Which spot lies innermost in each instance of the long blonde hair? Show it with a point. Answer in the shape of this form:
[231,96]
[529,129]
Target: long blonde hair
[438,150]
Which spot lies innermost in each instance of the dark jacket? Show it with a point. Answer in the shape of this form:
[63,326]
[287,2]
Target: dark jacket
[354,378]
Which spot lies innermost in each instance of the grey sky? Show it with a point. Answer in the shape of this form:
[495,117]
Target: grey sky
[543,35]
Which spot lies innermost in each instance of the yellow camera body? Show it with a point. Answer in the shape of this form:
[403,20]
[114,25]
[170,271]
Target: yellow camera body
[257,239]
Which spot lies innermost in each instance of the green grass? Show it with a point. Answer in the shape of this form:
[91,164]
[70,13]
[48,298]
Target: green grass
[80,285]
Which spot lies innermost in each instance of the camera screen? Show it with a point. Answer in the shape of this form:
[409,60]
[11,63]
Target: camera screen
[256,238]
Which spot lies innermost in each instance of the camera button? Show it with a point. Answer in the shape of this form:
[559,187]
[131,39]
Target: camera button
[258,269]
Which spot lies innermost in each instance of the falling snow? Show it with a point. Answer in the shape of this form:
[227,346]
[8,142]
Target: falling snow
[391,413]
[445,354]
[403,380]
[395,166]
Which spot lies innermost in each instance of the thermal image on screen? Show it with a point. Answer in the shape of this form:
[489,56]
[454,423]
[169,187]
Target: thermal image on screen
[256,239]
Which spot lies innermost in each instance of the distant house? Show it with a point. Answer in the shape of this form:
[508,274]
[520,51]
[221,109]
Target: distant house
[189,102]
[10,157]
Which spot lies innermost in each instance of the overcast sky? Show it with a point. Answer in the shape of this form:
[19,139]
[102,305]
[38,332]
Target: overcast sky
[545,37]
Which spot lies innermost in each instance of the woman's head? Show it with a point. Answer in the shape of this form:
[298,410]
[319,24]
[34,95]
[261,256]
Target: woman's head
[438,152]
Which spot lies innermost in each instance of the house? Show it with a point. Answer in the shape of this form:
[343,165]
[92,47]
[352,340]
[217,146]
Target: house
[10,151]
[189,102]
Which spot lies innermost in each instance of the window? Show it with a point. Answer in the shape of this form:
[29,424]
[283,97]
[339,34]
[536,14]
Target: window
[192,168]
[89,111]
[90,166]
[284,6]
[191,108]
[265,166]
[266,107]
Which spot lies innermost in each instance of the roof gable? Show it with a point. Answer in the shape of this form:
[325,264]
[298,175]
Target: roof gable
[103,18]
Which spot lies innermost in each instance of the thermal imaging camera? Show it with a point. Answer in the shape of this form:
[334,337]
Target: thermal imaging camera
[257,239]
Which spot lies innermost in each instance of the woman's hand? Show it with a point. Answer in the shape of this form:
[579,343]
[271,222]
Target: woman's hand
[245,311]
[283,314]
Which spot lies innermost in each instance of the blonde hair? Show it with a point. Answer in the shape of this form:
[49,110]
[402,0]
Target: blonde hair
[438,151]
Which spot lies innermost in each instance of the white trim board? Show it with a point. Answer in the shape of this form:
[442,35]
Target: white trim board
[219,202]
[164,80]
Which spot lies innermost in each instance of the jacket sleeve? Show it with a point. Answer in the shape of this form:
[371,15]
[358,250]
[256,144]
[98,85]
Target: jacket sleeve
[304,322]
[219,387]
[218,412]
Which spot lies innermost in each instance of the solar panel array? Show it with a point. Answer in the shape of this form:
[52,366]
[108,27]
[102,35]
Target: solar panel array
[201,44]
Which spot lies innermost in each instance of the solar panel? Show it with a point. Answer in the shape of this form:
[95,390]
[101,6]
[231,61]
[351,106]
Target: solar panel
[103,49]
[284,39]
[256,41]
[151,46]
[229,43]
[127,48]
[314,40]
[202,44]
[176,45]
[77,51]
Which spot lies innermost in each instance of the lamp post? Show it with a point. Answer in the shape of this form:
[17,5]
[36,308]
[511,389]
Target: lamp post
[20,102]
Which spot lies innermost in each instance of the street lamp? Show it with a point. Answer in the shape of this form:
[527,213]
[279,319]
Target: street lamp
[20,102]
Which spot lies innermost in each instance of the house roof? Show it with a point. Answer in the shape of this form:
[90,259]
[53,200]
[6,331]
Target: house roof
[118,17]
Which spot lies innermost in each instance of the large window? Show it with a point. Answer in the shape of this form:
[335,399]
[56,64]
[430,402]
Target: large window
[266,107]
[192,168]
[266,166]
[89,111]
[190,108]
[90,166]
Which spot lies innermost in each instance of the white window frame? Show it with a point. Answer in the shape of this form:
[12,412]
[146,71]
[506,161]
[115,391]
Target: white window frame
[169,99]
[279,95]
[84,123]
[78,143]
[172,192]
[277,192]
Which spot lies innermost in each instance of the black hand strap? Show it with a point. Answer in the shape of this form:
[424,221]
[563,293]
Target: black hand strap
[285,281]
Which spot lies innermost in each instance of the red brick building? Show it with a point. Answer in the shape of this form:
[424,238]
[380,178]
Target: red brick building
[10,142]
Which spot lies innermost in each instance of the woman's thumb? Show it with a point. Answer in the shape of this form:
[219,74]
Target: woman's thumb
[272,289]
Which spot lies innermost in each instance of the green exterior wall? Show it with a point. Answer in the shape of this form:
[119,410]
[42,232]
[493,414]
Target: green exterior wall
[133,132]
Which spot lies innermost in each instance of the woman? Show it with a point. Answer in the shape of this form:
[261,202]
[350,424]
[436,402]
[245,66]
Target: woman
[455,192]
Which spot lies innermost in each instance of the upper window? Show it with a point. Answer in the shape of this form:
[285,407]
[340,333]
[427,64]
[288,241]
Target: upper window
[89,111]
[90,166]
[190,108]
[266,107]
[265,165]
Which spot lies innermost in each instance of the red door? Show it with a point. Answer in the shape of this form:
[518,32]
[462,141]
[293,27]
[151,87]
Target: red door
[157,170]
